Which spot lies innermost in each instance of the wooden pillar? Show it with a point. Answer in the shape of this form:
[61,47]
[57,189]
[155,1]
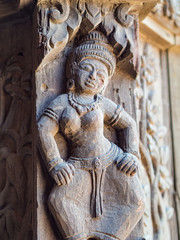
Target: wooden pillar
[174,73]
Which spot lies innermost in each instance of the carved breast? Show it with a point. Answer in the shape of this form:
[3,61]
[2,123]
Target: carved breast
[92,120]
[71,123]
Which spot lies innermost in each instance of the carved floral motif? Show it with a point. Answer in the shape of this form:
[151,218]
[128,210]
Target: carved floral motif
[154,153]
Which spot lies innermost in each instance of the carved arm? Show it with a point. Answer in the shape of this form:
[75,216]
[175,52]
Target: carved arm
[118,118]
[61,172]
[48,128]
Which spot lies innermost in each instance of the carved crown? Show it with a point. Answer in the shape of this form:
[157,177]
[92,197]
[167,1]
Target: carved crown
[96,45]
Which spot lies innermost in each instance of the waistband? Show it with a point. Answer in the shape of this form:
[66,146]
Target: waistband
[95,163]
[97,167]
[93,234]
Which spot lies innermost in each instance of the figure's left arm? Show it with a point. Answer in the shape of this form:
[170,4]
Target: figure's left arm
[118,118]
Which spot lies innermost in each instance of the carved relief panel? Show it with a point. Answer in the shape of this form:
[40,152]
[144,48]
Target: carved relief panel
[104,158]
[93,163]
[155,149]
[16,154]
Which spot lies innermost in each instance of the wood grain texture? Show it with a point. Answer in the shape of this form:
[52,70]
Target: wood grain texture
[16,160]
[174,71]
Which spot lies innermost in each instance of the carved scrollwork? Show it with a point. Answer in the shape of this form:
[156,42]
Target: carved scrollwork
[58,24]
[122,16]
[57,27]
[60,12]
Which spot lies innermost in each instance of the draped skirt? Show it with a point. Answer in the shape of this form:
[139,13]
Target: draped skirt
[100,202]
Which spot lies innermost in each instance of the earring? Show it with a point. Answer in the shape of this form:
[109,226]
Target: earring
[71,85]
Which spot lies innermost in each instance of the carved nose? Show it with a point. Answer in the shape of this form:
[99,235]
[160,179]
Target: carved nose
[93,75]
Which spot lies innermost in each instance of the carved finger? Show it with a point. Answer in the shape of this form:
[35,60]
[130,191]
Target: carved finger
[72,169]
[68,171]
[127,167]
[61,178]
[56,179]
[66,176]
[123,162]
[132,169]
[133,172]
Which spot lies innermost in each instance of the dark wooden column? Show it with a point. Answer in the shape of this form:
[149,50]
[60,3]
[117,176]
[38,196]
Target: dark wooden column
[17,188]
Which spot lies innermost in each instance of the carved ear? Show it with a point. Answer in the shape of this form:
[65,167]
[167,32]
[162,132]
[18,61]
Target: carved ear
[104,88]
[70,69]
[74,65]
[71,85]
[73,68]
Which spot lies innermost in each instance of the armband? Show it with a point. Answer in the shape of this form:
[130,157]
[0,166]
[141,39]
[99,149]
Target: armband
[135,153]
[116,116]
[51,114]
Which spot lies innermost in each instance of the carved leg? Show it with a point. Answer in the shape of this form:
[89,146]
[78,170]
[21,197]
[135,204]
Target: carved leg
[123,200]
[70,204]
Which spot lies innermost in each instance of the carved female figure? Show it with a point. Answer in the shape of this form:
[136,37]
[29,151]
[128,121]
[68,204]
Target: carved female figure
[97,192]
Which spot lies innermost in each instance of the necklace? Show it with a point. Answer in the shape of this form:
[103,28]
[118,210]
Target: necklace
[83,108]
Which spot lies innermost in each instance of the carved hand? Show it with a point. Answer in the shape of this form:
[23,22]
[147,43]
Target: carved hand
[63,173]
[127,163]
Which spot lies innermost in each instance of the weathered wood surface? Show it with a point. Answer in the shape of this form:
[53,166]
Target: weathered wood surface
[168,138]
[16,151]
[120,90]
[15,113]
[51,82]
[158,204]
[174,73]
[154,73]
[156,34]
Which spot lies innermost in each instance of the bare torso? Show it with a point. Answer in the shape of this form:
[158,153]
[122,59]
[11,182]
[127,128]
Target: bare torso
[85,133]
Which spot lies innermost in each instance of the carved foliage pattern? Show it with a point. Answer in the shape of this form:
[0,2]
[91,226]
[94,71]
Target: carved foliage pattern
[155,154]
[16,152]
[60,20]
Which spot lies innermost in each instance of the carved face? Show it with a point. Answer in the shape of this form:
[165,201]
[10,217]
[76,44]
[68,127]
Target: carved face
[91,76]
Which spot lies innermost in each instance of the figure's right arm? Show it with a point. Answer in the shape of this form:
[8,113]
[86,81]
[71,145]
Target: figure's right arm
[48,127]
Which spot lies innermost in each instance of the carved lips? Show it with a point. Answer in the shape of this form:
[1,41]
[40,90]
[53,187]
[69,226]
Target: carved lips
[94,84]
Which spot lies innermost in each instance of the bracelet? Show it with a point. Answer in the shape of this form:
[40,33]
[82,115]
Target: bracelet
[135,153]
[53,163]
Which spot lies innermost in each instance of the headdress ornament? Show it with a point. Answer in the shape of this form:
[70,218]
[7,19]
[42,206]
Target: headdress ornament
[96,45]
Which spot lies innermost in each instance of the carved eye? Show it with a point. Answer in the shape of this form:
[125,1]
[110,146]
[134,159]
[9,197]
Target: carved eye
[101,75]
[86,67]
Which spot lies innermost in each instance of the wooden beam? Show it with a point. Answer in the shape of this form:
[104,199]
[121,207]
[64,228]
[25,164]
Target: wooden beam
[156,34]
